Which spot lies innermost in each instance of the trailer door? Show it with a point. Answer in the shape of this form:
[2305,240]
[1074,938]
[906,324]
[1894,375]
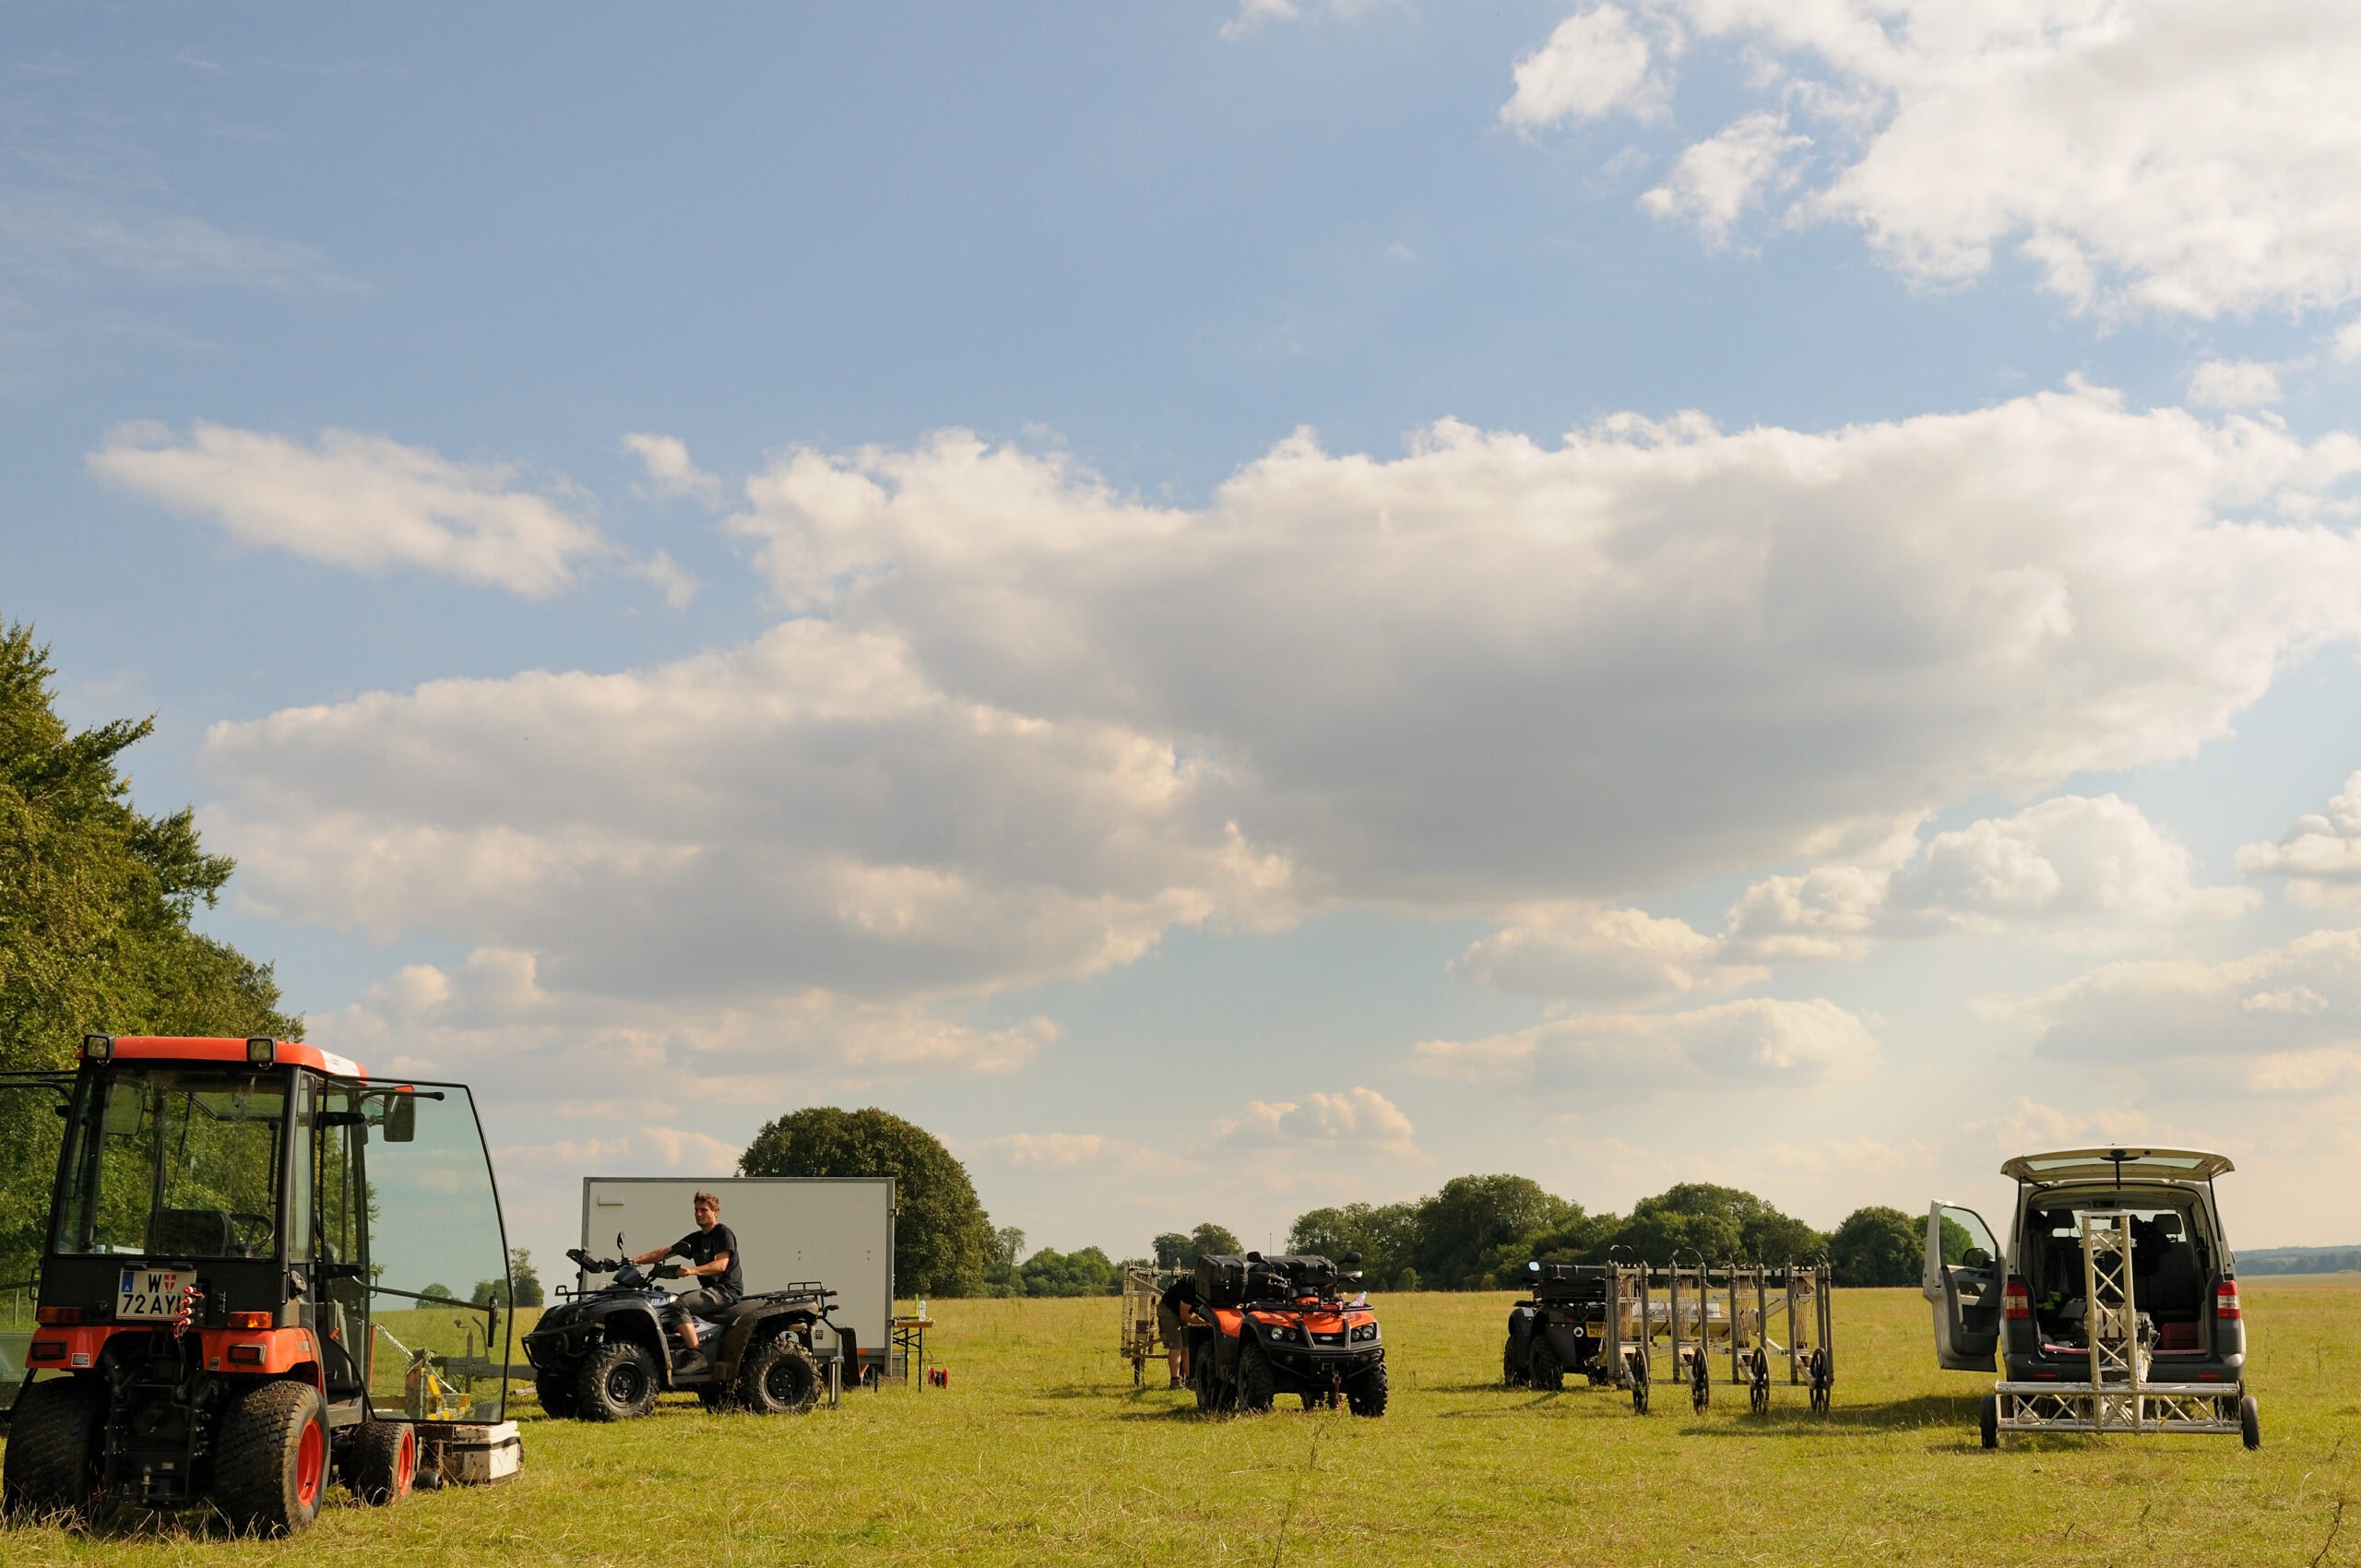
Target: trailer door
[1961,1282]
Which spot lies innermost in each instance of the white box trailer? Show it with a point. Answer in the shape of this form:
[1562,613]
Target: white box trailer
[836,1230]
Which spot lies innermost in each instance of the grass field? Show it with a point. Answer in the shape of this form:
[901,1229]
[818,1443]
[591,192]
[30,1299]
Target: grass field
[1041,1451]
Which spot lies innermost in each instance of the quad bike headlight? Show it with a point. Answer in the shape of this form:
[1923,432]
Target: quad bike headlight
[1363,1332]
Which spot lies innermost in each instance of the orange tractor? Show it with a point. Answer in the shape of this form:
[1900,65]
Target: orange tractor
[237,1248]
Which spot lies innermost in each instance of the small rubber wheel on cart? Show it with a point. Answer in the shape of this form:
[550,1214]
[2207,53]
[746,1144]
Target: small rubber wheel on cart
[1757,1393]
[1701,1385]
[2250,1422]
[1988,1419]
[1639,1385]
[1821,1381]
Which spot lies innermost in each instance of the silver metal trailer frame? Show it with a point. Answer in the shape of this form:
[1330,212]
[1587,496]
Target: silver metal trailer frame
[1688,1318]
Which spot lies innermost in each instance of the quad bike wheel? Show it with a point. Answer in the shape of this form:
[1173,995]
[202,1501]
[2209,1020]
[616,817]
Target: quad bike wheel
[2250,1422]
[1365,1396]
[779,1378]
[558,1395]
[381,1460]
[1257,1384]
[1512,1375]
[1988,1419]
[1545,1371]
[1700,1385]
[617,1384]
[271,1467]
[52,1438]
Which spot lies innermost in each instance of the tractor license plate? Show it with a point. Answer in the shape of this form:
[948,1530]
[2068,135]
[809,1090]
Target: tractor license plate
[149,1294]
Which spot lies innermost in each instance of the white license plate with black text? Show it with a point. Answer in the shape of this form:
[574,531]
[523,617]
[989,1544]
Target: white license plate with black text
[149,1294]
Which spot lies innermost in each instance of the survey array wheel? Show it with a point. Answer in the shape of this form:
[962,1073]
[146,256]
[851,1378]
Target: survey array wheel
[2250,1422]
[1701,1385]
[1823,1378]
[272,1466]
[53,1440]
[1988,1419]
[1757,1393]
[1639,1385]
[381,1460]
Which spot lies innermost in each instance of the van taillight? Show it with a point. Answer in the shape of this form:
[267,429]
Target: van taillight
[2014,1301]
[2226,1301]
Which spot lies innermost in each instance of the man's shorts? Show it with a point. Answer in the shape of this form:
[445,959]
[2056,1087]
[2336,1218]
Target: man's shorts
[701,1303]
[1168,1324]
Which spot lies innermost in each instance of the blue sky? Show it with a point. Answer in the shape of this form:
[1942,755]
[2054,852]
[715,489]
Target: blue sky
[1236,609]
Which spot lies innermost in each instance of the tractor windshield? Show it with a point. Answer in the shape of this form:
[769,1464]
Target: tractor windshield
[175,1162]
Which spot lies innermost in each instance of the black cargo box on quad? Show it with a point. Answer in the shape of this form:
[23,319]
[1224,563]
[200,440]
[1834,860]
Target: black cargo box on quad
[1221,1280]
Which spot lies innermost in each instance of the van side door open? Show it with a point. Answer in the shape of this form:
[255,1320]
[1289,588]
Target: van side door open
[1963,1280]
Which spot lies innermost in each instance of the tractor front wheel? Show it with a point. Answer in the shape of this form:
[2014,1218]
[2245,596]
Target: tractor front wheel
[779,1378]
[272,1466]
[52,1437]
[380,1461]
[1258,1385]
[617,1384]
[1366,1394]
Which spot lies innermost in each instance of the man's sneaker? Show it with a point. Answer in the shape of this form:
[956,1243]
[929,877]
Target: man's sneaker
[690,1364]
[1178,1384]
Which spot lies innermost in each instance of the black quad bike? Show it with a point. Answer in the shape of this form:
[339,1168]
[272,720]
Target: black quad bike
[603,1355]
[225,1233]
[1561,1328]
[1281,1326]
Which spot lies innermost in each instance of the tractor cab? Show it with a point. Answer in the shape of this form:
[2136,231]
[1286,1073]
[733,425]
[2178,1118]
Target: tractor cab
[252,1266]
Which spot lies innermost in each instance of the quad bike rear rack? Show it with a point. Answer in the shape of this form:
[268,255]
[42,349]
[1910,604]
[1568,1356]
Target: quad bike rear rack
[1688,1321]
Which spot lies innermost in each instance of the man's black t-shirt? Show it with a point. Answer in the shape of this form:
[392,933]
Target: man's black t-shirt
[702,1247]
[1181,1292]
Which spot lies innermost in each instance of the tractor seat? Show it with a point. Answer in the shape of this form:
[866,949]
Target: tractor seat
[189,1232]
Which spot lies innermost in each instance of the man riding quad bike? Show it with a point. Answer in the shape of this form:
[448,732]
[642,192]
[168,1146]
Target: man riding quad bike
[1281,1325]
[602,1355]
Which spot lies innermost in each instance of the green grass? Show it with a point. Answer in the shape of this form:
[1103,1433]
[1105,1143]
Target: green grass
[1041,1451]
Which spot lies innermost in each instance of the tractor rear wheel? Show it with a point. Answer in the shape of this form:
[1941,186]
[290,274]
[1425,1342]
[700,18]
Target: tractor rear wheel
[1257,1384]
[1545,1370]
[52,1437]
[271,1468]
[1366,1394]
[779,1378]
[617,1384]
[558,1394]
[380,1460]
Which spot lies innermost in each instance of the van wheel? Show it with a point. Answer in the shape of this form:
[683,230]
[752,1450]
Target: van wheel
[380,1458]
[272,1466]
[1545,1369]
[2250,1422]
[1988,1419]
[51,1438]
[779,1378]
[617,1384]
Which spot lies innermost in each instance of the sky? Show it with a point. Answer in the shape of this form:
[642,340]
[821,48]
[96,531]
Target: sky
[1237,606]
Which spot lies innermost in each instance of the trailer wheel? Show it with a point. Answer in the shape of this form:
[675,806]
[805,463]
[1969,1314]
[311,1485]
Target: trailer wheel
[272,1466]
[380,1459]
[1545,1369]
[557,1393]
[2250,1422]
[617,1384]
[779,1378]
[1366,1394]
[1258,1385]
[1700,1385]
[51,1438]
[1988,1419]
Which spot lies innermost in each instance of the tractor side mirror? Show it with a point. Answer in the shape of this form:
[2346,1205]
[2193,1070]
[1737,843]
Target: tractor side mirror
[123,1105]
[401,1119]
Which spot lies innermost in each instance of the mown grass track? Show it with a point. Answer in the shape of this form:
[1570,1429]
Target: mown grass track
[1040,1452]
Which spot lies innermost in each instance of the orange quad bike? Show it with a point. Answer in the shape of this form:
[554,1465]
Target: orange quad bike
[237,1249]
[1286,1325]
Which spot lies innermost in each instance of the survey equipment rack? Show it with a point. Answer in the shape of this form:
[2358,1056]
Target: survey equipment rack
[1688,1323]
[1143,1287]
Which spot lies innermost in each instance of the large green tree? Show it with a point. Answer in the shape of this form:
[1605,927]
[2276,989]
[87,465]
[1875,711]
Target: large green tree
[1472,1217]
[942,1240]
[1386,1236]
[1878,1246]
[95,901]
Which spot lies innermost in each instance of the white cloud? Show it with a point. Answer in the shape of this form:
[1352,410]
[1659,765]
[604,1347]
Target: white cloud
[1595,63]
[670,471]
[1716,181]
[1069,1151]
[1357,1116]
[1255,15]
[360,501]
[1755,1041]
[678,585]
[54,234]
[2227,384]
[2178,156]
[1599,954]
[2319,857]
[2347,347]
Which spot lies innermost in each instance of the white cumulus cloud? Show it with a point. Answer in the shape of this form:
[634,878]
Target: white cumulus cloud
[2319,857]
[2233,384]
[1755,1041]
[1357,1116]
[1595,63]
[1716,181]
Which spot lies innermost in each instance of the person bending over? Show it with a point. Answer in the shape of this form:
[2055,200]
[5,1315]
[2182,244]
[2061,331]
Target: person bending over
[1175,1310]
[712,1252]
